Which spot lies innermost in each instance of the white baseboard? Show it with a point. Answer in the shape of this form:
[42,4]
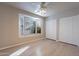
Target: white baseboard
[63,42]
[18,44]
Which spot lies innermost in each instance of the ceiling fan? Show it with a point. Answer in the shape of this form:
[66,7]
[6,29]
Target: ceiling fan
[42,9]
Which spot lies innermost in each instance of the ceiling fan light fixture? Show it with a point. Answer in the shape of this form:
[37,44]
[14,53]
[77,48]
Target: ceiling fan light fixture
[42,10]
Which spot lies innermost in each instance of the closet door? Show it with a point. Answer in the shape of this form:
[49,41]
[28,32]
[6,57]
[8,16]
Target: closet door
[51,29]
[69,30]
[75,29]
[65,30]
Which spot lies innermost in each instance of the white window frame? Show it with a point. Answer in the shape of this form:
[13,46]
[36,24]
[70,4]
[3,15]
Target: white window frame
[20,34]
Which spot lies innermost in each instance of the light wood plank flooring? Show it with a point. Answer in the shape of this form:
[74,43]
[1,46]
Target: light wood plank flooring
[44,48]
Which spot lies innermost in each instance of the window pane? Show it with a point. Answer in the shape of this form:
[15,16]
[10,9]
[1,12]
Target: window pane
[29,25]
[38,26]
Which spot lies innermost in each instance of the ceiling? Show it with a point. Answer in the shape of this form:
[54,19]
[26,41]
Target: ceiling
[53,8]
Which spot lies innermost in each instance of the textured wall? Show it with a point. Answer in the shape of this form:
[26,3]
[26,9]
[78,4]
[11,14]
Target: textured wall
[9,26]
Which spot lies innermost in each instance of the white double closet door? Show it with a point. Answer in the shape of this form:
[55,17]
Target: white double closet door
[51,29]
[69,30]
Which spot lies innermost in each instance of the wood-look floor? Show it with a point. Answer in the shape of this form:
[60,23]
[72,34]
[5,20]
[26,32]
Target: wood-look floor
[44,48]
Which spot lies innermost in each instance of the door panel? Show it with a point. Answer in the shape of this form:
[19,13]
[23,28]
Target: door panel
[75,29]
[51,29]
[69,30]
[65,30]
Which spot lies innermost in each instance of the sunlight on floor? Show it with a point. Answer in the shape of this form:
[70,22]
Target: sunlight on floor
[18,52]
